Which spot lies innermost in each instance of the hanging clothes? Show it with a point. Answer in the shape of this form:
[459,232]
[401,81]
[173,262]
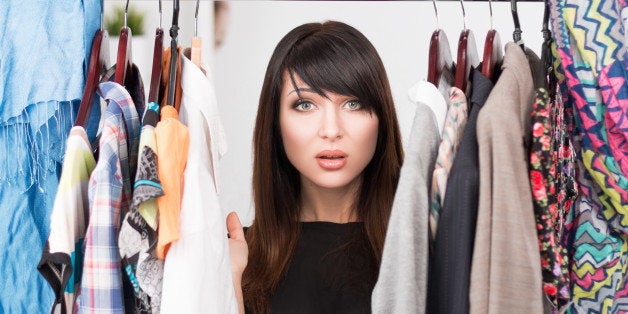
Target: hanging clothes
[138,233]
[455,121]
[61,262]
[438,104]
[594,60]
[42,74]
[110,192]
[402,282]
[506,276]
[450,270]
[173,140]
[199,259]
[552,179]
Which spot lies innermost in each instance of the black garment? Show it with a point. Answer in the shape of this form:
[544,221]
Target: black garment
[333,270]
[450,265]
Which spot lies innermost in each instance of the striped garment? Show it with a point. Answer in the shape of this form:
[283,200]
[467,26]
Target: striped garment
[62,259]
[109,195]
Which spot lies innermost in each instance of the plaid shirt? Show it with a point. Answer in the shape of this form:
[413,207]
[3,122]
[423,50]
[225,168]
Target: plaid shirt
[110,193]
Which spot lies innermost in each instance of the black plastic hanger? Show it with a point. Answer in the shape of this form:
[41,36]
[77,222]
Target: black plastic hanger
[547,58]
[174,55]
[516,34]
[439,53]
[124,62]
[492,56]
[98,65]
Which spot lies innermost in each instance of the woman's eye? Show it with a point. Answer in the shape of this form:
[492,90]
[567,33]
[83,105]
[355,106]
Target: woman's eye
[353,105]
[304,106]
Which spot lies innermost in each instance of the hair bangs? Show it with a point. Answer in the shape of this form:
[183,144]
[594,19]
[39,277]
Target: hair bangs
[327,64]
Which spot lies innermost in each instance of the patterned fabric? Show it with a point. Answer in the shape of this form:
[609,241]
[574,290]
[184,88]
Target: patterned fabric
[614,90]
[147,186]
[151,116]
[138,238]
[455,121]
[62,259]
[553,191]
[109,196]
[591,42]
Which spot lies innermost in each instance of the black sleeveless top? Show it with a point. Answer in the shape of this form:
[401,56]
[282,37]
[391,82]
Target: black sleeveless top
[333,270]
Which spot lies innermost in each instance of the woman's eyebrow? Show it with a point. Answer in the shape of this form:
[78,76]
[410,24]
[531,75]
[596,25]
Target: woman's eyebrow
[302,89]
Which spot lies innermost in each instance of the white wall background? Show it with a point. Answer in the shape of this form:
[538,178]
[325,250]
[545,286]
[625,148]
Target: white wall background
[399,30]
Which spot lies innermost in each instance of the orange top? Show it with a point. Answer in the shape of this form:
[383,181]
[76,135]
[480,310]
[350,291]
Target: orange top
[173,141]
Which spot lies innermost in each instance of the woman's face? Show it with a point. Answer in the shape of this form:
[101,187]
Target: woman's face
[329,140]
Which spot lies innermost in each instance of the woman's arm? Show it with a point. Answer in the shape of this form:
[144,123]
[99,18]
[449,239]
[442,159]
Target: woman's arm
[239,254]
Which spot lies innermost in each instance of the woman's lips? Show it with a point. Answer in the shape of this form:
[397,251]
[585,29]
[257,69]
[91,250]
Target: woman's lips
[331,159]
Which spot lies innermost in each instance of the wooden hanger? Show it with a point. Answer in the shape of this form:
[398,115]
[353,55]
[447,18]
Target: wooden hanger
[155,78]
[439,53]
[174,55]
[151,117]
[197,43]
[124,62]
[98,64]
[492,56]
[467,55]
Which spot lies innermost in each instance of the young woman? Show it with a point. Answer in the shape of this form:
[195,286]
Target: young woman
[327,155]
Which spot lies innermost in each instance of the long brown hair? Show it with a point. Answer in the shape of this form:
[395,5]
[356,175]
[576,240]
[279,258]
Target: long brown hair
[328,57]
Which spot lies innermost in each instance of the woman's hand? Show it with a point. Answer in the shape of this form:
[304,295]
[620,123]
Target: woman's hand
[238,253]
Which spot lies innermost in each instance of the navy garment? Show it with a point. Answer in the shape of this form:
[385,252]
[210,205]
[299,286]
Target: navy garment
[450,264]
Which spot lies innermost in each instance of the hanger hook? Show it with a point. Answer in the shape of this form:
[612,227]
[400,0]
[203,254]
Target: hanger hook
[196,19]
[126,11]
[490,8]
[464,16]
[102,15]
[159,13]
[516,35]
[436,13]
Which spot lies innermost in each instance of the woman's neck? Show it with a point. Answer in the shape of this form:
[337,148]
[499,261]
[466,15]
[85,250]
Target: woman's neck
[325,204]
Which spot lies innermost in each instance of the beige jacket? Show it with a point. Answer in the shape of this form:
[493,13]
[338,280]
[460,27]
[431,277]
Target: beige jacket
[506,265]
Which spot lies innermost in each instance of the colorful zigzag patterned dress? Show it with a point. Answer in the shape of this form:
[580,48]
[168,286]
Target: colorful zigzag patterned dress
[591,43]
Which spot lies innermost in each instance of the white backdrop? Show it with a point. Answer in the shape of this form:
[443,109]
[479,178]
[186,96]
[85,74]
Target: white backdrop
[400,31]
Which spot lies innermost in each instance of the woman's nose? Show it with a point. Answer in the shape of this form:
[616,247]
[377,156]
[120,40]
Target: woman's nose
[330,127]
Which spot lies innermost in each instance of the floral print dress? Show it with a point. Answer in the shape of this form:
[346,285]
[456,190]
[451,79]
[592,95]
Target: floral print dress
[552,178]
